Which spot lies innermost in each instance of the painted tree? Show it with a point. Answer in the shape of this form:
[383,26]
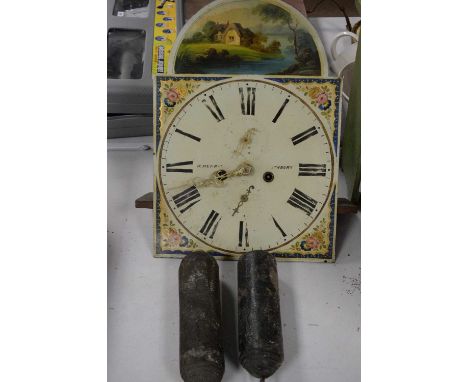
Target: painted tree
[274,14]
[209,30]
[258,41]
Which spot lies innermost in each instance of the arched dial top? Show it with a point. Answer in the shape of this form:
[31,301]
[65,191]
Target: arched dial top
[246,165]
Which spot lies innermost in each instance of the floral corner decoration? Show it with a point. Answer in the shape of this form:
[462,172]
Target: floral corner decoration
[322,101]
[172,96]
[174,92]
[316,241]
[320,96]
[173,238]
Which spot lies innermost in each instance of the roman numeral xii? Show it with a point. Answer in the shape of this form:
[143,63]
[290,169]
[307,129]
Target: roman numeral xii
[248,108]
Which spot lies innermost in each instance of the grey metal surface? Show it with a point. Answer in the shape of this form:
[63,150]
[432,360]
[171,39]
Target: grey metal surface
[132,96]
[122,126]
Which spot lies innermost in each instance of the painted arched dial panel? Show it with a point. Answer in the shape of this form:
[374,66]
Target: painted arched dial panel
[248,37]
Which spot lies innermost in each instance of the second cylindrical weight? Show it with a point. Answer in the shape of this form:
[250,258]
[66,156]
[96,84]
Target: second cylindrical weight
[259,319]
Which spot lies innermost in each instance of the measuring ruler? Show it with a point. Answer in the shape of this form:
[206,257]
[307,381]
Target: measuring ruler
[165,33]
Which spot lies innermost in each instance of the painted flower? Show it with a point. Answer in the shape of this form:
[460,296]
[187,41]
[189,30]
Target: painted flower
[173,237]
[322,98]
[312,242]
[314,92]
[173,95]
[304,246]
[169,103]
[319,236]
[183,241]
[325,106]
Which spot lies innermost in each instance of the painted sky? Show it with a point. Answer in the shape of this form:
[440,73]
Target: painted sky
[240,13]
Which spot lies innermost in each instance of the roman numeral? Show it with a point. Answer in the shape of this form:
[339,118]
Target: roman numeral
[194,137]
[309,169]
[215,113]
[243,234]
[210,225]
[278,114]
[279,227]
[304,135]
[300,200]
[250,109]
[189,196]
[175,167]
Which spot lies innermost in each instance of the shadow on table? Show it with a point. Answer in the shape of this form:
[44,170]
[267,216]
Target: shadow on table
[228,279]
[343,228]
[169,311]
[289,323]
[229,317]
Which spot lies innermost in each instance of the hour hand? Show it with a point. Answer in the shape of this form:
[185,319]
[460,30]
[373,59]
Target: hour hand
[241,170]
[218,177]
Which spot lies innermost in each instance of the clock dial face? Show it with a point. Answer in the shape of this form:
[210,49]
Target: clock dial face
[246,165]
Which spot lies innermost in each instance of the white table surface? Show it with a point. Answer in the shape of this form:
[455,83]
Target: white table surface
[320,303]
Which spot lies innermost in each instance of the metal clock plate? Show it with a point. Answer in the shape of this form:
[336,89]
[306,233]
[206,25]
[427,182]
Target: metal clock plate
[245,163]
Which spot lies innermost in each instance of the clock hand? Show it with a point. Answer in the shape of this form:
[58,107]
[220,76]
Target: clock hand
[244,198]
[245,140]
[218,177]
[241,170]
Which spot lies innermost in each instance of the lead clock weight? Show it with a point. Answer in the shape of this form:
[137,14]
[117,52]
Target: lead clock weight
[201,351]
[259,319]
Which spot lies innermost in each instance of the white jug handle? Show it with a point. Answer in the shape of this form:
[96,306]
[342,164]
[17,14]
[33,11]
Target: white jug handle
[335,41]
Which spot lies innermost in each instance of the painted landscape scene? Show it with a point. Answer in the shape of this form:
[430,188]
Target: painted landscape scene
[248,37]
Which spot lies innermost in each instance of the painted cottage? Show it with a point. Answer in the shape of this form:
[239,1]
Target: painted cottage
[234,34]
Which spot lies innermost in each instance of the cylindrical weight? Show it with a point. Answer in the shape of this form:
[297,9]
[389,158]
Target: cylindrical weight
[259,319]
[201,350]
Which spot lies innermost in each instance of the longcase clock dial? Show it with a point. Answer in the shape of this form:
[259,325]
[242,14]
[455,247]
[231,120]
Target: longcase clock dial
[245,164]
